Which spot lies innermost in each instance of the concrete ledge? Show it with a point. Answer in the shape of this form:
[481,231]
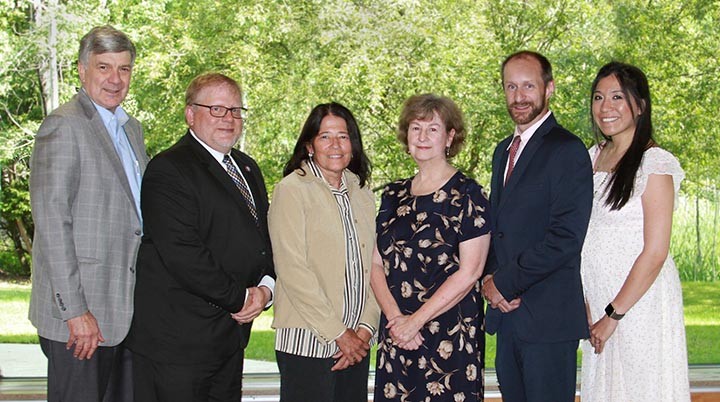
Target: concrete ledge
[264,387]
[24,368]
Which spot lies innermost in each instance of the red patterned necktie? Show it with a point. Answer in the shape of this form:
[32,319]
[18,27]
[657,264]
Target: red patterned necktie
[240,183]
[511,158]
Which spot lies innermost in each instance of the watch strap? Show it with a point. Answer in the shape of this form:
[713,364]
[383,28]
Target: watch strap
[610,311]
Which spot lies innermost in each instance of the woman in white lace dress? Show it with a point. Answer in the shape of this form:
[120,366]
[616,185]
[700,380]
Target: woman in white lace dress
[626,268]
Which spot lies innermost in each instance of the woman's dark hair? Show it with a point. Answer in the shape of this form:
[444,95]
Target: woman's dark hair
[359,164]
[634,84]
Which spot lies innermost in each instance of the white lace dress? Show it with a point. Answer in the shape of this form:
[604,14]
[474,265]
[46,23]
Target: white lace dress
[646,357]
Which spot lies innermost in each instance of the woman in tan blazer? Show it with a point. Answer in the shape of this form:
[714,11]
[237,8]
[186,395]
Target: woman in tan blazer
[322,229]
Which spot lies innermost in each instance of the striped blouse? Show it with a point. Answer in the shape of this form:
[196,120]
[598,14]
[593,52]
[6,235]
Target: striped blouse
[302,341]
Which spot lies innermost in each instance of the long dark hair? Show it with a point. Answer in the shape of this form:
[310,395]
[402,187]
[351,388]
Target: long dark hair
[359,164]
[634,84]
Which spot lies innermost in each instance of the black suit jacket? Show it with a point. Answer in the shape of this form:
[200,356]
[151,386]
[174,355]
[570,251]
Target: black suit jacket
[201,249]
[540,218]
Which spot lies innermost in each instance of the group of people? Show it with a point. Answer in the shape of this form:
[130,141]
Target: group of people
[148,275]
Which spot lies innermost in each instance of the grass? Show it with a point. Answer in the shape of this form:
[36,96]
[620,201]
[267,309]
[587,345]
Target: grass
[702,321]
[695,245]
[702,324]
[14,324]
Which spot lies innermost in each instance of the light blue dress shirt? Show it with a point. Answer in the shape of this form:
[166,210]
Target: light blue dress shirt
[114,123]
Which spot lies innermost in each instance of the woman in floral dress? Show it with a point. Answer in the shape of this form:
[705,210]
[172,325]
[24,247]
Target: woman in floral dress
[432,242]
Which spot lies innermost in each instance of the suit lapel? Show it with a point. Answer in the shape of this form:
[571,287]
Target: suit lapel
[222,176]
[525,157]
[251,177]
[497,180]
[100,132]
[134,134]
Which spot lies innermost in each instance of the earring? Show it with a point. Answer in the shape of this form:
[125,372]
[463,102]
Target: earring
[447,151]
[310,155]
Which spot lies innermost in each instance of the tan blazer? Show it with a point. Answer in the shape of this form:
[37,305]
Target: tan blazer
[87,229]
[309,253]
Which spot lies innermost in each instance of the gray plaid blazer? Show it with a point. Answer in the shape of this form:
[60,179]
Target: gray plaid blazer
[87,230]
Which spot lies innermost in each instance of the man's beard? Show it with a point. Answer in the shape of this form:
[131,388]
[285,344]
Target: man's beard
[534,112]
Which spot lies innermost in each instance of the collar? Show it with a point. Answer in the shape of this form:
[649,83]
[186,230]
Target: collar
[215,154]
[107,116]
[315,170]
[527,134]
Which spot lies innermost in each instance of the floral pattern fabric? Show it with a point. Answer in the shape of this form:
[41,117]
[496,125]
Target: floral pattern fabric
[419,240]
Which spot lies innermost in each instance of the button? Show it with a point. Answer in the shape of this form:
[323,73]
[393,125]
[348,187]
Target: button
[500,235]
[263,252]
[63,308]
[138,232]
[132,270]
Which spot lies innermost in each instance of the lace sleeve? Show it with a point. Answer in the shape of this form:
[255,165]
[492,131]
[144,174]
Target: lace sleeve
[659,161]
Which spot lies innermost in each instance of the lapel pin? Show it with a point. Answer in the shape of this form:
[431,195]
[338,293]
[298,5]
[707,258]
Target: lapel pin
[247,169]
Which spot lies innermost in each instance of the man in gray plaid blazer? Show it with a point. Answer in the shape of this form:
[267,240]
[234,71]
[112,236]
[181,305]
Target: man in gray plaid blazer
[85,177]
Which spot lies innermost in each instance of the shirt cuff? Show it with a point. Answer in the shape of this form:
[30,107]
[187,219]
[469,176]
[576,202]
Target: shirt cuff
[368,327]
[269,283]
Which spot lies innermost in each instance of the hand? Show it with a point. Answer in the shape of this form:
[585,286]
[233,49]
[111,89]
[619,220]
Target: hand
[495,299]
[404,329]
[257,298]
[413,344]
[490,293]
[341,362]
[511,305]
[353,348]
[85,335]
[601,331]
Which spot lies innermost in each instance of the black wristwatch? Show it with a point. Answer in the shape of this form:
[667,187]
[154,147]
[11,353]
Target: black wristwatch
[610,311]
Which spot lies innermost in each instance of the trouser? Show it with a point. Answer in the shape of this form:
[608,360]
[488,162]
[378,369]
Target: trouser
[106,377]
[534,372]
[218,381]
[304,379]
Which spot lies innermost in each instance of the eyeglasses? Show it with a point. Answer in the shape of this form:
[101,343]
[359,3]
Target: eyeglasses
[221,111]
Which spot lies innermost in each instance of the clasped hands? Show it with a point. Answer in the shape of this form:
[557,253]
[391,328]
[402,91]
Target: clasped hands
[354,346]
[255,303]
[405,331]
[495,299]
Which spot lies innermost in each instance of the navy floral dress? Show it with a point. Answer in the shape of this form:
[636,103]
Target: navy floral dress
[419,240]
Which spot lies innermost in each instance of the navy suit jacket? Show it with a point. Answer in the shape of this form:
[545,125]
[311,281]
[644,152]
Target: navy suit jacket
[540,218]
[200,251]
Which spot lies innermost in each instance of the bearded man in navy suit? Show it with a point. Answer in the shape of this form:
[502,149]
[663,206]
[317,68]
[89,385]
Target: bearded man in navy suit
[541,201]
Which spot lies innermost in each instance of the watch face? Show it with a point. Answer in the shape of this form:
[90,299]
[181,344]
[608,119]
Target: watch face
[609,310]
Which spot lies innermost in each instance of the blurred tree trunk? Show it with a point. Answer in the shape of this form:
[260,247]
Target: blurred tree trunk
[698,239]
[45,15]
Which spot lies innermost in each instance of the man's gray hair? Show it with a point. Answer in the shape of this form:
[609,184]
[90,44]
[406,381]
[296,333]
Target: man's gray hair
[105,39]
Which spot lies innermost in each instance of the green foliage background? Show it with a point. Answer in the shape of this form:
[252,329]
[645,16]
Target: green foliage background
[370,55]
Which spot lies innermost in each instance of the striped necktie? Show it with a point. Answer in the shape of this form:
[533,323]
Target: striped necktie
[241,185]
[511,158]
